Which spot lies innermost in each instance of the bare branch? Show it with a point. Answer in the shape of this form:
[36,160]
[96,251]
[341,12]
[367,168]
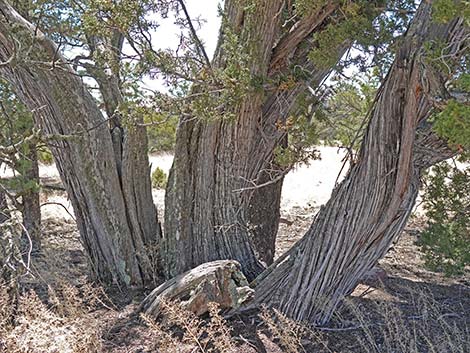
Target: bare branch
[199,44]
[297,34]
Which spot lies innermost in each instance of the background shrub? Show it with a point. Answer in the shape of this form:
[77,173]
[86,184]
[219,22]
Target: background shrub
[159,178]
[446,239]
[45,156]
[161,133]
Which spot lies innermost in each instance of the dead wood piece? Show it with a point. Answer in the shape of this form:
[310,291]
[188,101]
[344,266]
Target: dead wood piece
[221,282]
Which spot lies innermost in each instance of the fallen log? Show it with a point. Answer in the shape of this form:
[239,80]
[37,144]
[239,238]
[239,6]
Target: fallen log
[221,282]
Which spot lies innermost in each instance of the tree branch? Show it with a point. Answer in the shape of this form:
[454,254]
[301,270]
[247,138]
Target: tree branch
[199,44]
[298,33]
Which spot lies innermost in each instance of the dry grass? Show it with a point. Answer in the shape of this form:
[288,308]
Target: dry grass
[388,327]
[424,324]
[365,326]
[65,324]
[6,309]
[292,335]
[68,322]
[181,329]
[63,316]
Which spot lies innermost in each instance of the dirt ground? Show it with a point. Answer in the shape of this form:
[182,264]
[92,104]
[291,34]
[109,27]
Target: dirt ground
[375,309]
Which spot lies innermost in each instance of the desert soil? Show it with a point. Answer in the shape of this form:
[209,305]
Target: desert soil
[305,190]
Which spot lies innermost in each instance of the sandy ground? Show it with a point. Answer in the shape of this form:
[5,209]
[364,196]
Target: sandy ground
[305,188]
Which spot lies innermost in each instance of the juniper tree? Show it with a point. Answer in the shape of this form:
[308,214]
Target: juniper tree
[369,209]
[232,149]
[236,112]
[248,86]
[104,168]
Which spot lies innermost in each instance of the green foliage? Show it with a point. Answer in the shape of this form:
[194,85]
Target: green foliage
[463,82]
[161,133]
[368,27]
[16,125]
[446,10]
[334,36]
[224,88]
[303,138]
[453,123]
[45,155]
[453,120]
[101,15]
[161,129]
[342,117]
[159,178]
[235,77]
[306,7]
[446,239]
[338,117]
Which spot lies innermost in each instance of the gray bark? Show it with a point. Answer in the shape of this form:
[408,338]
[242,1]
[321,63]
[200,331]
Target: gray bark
[111,196]
[130,145]
[369,209]
[3,207]
[220,282]
[207,216]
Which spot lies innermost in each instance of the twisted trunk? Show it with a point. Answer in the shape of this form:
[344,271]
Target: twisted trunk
[369,209]
[224,188]
[110,195]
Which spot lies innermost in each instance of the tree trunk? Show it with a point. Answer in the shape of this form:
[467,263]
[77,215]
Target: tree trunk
[5,270]
[31,209]
[111,196]
[224,189]
[263,214]
[130,146]
[369,209]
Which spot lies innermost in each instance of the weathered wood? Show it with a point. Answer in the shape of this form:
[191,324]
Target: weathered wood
[111,196]
[215,209]
[369,209]
[214,158]
[52,184]
[221,282]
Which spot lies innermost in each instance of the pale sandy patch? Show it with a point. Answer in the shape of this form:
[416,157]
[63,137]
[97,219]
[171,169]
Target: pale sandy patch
[306,186]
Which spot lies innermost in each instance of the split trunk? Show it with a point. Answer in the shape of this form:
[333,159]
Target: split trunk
[224,189]
[109,185]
